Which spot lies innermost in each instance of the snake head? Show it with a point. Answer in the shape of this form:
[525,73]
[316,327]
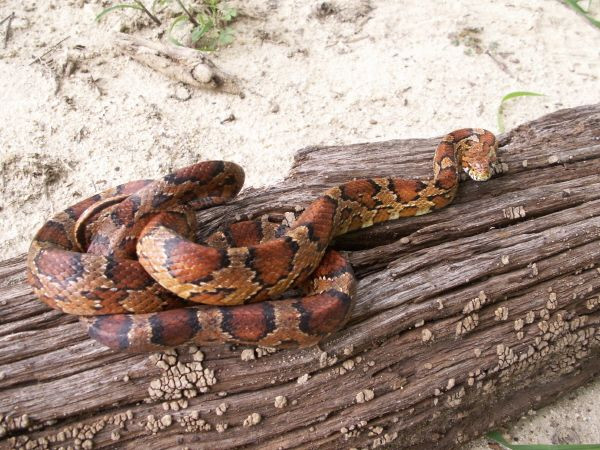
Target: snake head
[479,156]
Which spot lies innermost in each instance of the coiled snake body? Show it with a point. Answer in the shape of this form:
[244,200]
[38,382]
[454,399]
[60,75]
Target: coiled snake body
[123,259]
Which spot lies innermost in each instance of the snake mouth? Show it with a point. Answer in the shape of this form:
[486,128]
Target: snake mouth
[478,175]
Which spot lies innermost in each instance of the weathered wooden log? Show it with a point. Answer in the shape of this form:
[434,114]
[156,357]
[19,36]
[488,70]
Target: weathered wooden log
[465,319]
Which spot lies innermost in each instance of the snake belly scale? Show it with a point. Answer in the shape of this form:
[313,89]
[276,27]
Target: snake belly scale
[126,262]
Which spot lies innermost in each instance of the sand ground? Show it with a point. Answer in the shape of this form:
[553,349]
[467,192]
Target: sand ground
[86,117]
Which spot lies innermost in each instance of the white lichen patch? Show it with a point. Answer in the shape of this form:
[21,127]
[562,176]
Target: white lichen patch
[552,301]
[475,303]
[505,260]
[384,439]
[248,354]
[592,303]
[514,212]
[353,430]
[192,423]
[565,336]
[348,364]
[326,360]
[280,401]
[519,324]
[331,360]
[365,395]
[506,357]
[426,335]
[252,419]
[303,378]
[553,159]
[9,423]
[79,435]
[375,430]
[221,409]
[534,270]
[323,359]
[155,425]
[264,351]
[455,398]
[179,380]
[529,317]
[175,405]
[221,427]
[501,313]
[467,324]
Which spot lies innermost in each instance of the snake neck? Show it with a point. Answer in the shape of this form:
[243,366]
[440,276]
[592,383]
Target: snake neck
[447,162]
[362,203]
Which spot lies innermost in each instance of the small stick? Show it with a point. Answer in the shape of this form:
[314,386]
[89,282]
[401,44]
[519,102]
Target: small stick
[185,65]
[190,16]
[152,16]
[7,32]
[50,50]
[500,64]
[9,17]
[94,83]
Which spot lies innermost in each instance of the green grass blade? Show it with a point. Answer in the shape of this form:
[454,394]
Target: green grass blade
[225,36]
[497,437]
[176,21]
[575,6]
[113,8]
[520,94]
[500,114]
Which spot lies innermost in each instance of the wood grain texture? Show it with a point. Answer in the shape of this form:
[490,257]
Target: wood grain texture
[465,319]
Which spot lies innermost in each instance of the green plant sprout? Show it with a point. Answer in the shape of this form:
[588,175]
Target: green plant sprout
[498,438]
[209,20]
[135,5]
[500,114]
[210,24]
[574,4]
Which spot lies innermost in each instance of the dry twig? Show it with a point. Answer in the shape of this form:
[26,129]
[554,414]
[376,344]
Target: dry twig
[178,63]
[7,32]
[50,50]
